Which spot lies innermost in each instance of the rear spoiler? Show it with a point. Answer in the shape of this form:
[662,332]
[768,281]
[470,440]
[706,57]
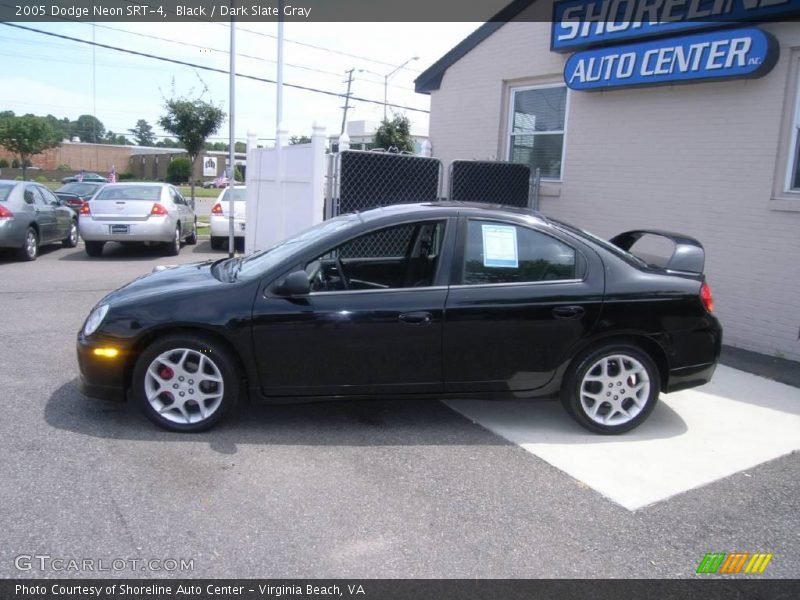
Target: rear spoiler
[688,255]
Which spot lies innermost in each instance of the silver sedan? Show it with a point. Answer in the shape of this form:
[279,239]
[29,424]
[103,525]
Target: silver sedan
[138,212]
[31,216]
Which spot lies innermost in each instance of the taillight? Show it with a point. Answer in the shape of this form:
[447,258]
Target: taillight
[706,297]
[85,210]
[158,209]
[5,213]
[217,209]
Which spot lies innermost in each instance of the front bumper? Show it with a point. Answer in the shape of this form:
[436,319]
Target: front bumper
[100,377]
[220,227]
[154,229]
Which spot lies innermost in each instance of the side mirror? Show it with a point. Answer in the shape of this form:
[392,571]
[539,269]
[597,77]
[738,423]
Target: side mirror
[295,284]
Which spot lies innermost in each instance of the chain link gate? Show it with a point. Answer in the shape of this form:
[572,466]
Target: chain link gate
[490,181]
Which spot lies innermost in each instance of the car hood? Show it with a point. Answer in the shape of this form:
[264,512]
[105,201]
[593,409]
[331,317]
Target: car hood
[167,281]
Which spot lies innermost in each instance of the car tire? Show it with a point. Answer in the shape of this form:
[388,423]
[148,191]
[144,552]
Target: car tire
[191,240]
[94,249]
[72,236]
[30,246]
[173,248]
[611,389]
[216,242]
[202,371]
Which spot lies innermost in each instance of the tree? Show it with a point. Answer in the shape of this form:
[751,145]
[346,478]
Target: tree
[89,129]
[143,133]
[299,139]
[26,136]
[395,134]
[179,170]
[168,143]
[192,122]
[113,138]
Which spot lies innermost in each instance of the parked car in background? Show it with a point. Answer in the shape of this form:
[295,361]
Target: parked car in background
[219,182]
[138,212]
[220,217]
[31,216]
[76,193]
[439,300]
[86,177]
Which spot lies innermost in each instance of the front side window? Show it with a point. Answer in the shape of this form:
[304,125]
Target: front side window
[401,256]
[504,253]
[536,128]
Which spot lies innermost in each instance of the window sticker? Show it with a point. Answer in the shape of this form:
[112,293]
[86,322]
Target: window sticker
[500,246]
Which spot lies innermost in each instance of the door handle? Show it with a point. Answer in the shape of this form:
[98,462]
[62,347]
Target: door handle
[416,318]
[568,312]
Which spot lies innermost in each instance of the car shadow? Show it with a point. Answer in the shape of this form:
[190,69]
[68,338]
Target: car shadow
[335,423]
[116,251]
[9,255]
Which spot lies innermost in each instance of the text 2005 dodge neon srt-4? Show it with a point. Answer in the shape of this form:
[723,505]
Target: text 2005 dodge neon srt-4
[441,300]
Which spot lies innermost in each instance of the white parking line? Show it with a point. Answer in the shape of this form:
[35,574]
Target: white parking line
[692,438]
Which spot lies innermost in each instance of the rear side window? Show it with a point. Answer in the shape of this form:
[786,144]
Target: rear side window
[5,192]
[505,253]
[150,193]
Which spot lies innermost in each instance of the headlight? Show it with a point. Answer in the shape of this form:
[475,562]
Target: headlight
[94,320]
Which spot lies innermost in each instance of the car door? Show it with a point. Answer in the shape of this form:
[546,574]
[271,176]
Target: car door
[185,216]
[45,214]
[523,297]
[62,214]
[372,323]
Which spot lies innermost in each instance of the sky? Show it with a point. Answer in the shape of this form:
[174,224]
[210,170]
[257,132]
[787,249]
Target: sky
[42,74]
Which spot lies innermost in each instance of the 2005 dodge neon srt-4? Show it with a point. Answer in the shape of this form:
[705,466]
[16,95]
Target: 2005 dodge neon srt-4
[440,300]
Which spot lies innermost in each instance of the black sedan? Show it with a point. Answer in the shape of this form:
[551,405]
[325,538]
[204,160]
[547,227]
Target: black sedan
[93,177]
[76,193]
[441,300]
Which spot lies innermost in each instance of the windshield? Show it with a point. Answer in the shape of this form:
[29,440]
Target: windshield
[150,193]
[5,191]
[238,194]
[81,189]
[601,242]
[259,262]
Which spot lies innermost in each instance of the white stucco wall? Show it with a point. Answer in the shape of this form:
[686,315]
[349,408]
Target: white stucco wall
[706,159]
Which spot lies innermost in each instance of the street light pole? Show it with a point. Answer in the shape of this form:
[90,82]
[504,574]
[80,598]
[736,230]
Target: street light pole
[386,84]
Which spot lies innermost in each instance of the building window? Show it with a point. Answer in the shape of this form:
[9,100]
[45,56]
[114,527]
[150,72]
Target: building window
[536,128]
[793,176]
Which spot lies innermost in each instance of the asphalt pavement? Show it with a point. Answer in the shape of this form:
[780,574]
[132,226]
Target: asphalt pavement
[345,489]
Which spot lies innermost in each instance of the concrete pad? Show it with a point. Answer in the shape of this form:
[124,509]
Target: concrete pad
[692,437]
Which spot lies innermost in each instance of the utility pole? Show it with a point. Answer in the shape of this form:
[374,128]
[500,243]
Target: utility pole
[346,106]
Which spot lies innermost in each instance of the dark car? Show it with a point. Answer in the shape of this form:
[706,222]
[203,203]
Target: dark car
[441,300]
[31,216]
[76,193]
[94,177]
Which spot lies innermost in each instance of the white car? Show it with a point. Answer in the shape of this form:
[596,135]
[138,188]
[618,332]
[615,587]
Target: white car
[220,222]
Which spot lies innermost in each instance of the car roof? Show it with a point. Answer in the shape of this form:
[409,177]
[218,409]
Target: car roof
[447,207]
[135,183]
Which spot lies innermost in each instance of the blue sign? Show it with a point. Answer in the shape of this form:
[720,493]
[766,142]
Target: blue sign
[731,53]
[585,23]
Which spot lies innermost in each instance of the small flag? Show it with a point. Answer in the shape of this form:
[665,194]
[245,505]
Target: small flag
[112,177]
[80,175]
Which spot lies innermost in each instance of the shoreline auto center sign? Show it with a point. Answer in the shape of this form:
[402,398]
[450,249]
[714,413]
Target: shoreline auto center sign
[723,49]
[731,53]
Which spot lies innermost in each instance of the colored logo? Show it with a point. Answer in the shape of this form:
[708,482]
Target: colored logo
[734,563]
[737,53]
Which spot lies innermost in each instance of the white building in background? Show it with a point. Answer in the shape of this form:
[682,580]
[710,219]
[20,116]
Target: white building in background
[716,159]
[362,136]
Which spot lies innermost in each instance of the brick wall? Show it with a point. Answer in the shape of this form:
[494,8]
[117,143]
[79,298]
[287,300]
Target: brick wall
[701,159]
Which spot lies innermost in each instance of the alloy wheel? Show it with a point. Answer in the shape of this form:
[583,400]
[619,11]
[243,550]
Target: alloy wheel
[184,386]
[614,390]
[31,244]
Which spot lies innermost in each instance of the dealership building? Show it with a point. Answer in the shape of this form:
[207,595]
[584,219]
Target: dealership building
[691,128]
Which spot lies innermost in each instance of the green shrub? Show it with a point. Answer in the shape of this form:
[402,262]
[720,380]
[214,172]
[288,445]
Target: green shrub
[125,176]
[178,170]
[15,164]
[41,179]
[18,178]
[63,167]
[3,163]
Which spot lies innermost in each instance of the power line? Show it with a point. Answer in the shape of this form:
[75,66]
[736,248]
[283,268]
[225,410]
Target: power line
[207,68]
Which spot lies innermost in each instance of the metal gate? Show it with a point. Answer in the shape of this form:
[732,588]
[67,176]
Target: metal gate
[489,181]
[359,180]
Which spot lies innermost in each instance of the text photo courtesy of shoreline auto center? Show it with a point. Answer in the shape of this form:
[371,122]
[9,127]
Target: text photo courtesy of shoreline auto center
[404,300]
